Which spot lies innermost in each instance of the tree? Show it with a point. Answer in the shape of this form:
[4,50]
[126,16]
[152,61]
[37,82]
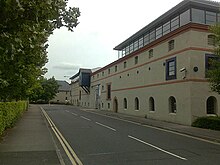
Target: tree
[214,72]
[46,91]
[24,30]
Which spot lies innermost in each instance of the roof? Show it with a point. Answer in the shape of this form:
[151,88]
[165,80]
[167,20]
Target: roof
[63,85]
[80,70]
[182,6]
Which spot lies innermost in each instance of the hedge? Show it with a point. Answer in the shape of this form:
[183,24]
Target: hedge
[10,112]
[210,122]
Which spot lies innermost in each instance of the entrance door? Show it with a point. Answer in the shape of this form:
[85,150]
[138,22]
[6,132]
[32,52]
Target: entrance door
[115,105]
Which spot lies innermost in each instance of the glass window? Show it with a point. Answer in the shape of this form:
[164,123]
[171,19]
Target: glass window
[166,28]
[109,71]
[127,50]
[152,36]
[198,16]
[108,91]
[174,23]
[210,18]
[103,73]
[123,52]
[211,105]
[135,45]
[131,47]
[151,104]
[146,39]
[171,69]
[185,18]
[151,53]
[158,32]
[116,68]
[141,42]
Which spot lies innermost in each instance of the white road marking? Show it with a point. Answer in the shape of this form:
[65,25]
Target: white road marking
[74,114]
[85,118]
[67,111]
[160,149]
[105,126]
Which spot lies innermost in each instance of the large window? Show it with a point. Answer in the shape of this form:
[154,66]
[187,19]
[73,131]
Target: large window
[174,23]
[135,45]
[152,36]
[211,18]
[146,39]
[171,69]
[185,18]
[141,42]
[159,32]
[166,28]
[198,16]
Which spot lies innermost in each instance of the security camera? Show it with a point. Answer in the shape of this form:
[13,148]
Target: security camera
[182,69]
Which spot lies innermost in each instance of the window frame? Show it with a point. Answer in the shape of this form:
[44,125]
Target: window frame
[171,45]
[108,91]
[168,76]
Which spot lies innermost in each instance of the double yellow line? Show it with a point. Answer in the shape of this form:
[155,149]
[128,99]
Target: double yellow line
[67,148]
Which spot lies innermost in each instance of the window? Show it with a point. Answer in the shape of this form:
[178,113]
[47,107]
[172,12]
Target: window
[198,16]
[166,28]
[116,68]
[211,39]
[127,50]
[108,91]
[151,53]
[146,39]
[158,32]
[141,42]
[209,58]
[109,71]
[174,23]
[211,18]
[102,73]
[170,45]
[136,60]
[171,69]
[108,105]
[136,103]
[211,105]
[151,104]
[131,49]
[125,103]
[125,64]
[185,18]
[97,75]
[102,87]
[152,36]
[135,45]
[172,105]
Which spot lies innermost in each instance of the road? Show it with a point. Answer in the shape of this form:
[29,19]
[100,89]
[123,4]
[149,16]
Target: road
[102,140]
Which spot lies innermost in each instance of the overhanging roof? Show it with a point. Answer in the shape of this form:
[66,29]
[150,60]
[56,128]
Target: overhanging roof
[184,5]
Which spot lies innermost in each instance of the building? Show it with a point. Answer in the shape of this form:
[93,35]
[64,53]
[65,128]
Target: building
[64,93]
[161,72]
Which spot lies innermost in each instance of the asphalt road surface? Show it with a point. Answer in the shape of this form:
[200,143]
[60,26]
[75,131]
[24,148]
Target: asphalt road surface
[101,140]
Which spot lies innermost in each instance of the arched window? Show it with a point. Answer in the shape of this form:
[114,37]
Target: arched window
[211,105]
[151,104]
[172,105]
[125,103]
[136,103]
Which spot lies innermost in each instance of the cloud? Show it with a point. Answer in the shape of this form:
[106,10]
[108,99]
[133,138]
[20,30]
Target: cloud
[66,66]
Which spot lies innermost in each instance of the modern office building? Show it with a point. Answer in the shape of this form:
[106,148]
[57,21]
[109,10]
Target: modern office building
[161,72]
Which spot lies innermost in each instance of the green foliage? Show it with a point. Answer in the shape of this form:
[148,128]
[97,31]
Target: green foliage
[10,112]
[46,91]
[214,72]
[210,122]
[24,30]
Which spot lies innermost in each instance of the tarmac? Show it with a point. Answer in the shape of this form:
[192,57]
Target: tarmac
[31,141]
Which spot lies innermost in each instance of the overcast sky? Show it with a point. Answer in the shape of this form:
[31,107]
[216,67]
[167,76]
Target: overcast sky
[103,25]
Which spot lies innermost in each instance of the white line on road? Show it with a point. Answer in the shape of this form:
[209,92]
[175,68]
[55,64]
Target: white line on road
[74,114]
[85,118]
[105,126]
[67,111]
[160,149]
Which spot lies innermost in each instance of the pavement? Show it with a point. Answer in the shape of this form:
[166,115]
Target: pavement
[31,142]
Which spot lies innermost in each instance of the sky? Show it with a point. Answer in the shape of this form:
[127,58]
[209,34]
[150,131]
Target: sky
[103,25]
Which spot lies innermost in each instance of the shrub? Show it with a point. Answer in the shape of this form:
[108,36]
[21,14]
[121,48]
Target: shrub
[210,122]
[10,112]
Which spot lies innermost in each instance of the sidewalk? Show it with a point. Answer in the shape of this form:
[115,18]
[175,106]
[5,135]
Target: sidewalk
[29,142]
[206,134]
